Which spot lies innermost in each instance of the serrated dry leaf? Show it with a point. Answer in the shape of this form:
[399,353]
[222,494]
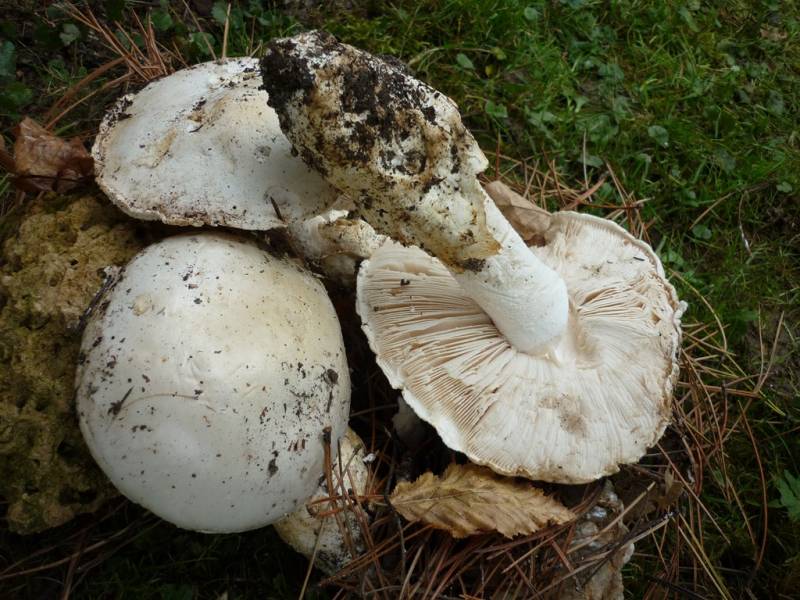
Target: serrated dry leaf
[468,499]
[45,162]
[529,220]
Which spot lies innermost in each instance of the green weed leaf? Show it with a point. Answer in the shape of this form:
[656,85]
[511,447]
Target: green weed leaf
[8,60]
[590,160]
[69,33]
[659,134]
[463,61]
[54,11]
[789,488]
[601,128]
[775,103]
[688,19]
[701,232]
[724,159]
[220,12]
[530,13]
[201,41]
[498,111]
[784,186]
[674,258]
[611,72]
[580,101]
[161,19]
[14,96]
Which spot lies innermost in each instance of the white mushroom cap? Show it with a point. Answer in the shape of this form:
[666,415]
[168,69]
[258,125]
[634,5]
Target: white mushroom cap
[206,379]
[313,533]
[597,399]
[201,146]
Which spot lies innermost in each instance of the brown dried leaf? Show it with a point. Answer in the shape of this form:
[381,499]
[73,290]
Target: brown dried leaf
[530,221]
[469,499]
[44,162]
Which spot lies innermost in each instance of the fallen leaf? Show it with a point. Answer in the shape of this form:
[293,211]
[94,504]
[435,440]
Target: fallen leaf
[530,221]
[468,499]
[45,162]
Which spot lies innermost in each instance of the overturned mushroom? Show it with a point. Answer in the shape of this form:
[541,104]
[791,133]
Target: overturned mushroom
[207,376]
[399,149]
[554,362]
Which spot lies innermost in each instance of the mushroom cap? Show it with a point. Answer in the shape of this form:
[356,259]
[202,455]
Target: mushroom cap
[207,375]
[201,146]
[302,528]
[395,145]
[598,399]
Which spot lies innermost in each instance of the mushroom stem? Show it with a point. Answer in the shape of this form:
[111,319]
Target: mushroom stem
[526,299]
[399,149]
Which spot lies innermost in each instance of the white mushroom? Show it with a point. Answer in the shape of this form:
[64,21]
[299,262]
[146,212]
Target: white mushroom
[399,149]
[598,399]
[554,362]
[201,146]
[332,540]
[207,376]
[335,242]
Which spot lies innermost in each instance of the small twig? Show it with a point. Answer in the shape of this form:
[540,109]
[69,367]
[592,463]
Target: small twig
[72,565]
[225,32]
[200,29]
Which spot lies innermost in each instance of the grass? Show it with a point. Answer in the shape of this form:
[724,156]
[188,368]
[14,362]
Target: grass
[691,106]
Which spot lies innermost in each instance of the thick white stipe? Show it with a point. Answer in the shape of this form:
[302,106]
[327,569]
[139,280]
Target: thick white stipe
[526,300]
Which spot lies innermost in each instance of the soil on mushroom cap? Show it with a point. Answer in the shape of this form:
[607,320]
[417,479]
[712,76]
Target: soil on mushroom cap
[379,91]
[51,261]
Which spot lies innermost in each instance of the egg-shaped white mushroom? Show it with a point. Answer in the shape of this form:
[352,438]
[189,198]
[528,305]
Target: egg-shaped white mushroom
[207,376]
[329,528]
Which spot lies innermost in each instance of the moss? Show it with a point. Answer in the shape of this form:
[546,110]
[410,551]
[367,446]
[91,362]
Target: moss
[51,261]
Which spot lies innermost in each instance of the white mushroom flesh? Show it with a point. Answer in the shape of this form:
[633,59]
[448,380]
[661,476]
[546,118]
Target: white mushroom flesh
[335,243]
[332,540]
[201,146]
[399,149]
[597,399]
[601,529]
[207,376]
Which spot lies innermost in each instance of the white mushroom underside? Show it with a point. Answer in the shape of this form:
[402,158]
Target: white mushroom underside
[598,399]
[201,146]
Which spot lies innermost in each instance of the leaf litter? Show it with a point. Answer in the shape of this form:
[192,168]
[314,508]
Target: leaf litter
[468,499]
